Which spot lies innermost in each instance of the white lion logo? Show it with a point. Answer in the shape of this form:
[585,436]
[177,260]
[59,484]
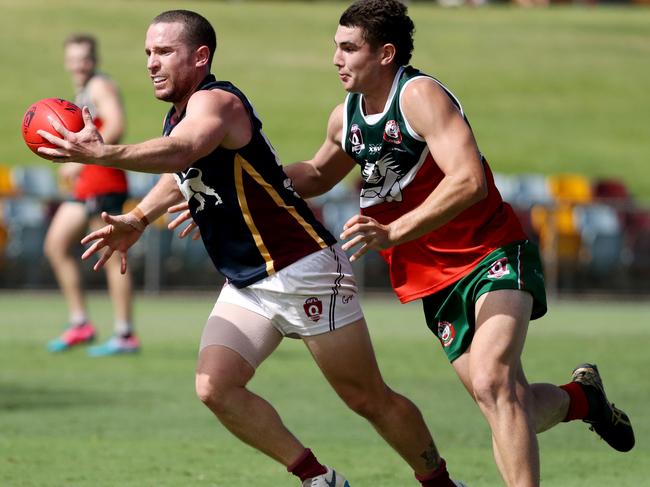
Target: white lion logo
[192,186]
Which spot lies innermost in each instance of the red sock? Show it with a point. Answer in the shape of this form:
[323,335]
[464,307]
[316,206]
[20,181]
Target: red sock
[578,404]
[438,478]
[306,466]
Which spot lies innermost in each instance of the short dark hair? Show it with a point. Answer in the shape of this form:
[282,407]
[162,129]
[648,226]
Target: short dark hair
[198,30]
[383,22]
[88,39]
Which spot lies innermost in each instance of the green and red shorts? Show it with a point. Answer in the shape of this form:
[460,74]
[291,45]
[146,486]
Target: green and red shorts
[450,313]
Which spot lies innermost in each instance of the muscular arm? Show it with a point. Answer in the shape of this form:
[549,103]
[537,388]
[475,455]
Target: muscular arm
[328,166]
[451,143]
[163,195]
[213,118]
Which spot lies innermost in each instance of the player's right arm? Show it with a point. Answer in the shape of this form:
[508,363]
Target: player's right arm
[122,231]
[212,118]
[328,166]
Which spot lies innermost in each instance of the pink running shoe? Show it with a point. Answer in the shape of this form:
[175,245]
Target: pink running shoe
[73,335]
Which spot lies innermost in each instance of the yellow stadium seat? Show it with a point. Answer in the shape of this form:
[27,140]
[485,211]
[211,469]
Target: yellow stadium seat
[571,188]
[7,186]
[558,232]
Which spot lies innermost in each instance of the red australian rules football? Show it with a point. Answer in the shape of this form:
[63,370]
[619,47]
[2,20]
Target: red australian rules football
[36,118]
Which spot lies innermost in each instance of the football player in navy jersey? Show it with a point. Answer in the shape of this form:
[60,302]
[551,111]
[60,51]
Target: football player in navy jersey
[297,283]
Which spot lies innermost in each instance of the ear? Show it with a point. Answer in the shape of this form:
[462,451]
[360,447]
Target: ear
[202,56]
[387,54]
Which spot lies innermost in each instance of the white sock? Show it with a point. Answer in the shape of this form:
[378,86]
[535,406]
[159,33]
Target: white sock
[78,318]
[123,328]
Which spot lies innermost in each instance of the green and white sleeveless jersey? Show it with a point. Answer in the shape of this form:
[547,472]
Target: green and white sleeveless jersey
[388,150]
[398,174]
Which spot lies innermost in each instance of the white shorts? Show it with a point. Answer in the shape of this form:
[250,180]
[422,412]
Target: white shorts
[314,295]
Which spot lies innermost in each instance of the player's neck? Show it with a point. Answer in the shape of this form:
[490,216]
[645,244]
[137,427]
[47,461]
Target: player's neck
[80,82]
[375,97]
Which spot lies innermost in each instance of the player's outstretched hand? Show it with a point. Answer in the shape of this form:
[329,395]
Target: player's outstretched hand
[83,146]
[120,233]
[366,232]
[183,216]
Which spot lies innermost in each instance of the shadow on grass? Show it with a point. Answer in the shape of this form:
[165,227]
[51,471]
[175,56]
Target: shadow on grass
[14,397]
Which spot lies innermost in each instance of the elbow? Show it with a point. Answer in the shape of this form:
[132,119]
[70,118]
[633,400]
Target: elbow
[477,189]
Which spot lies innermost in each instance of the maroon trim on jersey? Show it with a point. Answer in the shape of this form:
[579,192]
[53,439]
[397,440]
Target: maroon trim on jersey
[275,224]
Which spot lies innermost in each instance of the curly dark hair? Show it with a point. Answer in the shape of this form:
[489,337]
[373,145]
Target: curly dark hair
[198,30]
[383,22]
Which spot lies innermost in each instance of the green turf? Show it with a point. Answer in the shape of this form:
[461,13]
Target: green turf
[69,420]
[563,89]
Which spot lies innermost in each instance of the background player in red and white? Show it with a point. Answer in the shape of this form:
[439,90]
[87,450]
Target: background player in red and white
[430,206]
[295,283]
[94,189]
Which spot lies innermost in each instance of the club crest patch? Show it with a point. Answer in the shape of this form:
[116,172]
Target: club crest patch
[392,133]
[356,139]
[498,269]
[446,333]
[313,308]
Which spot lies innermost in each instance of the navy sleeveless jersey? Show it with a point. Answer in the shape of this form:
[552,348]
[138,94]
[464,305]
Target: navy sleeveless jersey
[252,221]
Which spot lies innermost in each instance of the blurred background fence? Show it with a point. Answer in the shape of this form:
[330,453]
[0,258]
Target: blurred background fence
[592,234]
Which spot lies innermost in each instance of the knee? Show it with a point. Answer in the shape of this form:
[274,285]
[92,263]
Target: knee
[212,392]
[491,389]
[366,403]
[52,249]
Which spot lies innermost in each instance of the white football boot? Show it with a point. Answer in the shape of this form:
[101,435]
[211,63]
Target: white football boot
[458,483]
[329,479]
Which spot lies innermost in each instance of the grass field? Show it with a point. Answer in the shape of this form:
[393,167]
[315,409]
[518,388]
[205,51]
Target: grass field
[68,420]
[563,89]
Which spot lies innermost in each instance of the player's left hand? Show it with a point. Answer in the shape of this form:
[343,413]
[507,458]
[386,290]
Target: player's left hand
[119,235]
[83,146]
[184,216]
[366,232]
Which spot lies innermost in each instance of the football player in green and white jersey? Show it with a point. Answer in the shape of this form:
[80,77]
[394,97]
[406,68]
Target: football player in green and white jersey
[429,205]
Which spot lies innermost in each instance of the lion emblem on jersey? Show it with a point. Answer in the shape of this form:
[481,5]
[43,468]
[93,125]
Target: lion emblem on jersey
[382,179]
[192,186]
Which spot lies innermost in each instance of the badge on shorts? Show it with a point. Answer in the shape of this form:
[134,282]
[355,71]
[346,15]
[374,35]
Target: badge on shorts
[498,269]
[446,333]
[313,308]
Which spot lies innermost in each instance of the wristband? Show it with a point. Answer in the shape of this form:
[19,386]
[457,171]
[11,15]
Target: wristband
[142,218]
